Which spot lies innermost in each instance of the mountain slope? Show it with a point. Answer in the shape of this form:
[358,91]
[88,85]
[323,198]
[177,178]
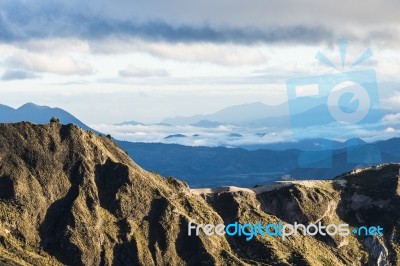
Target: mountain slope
[72,197]
[68,196]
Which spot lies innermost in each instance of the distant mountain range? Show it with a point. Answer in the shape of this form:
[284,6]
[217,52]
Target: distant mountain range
[132,123]
[237,114]
[175,136]
[232,115]
[308,110]
[207,166]
[38,114]
[211,167]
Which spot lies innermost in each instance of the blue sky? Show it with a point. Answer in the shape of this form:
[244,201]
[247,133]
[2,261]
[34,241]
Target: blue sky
[109,62]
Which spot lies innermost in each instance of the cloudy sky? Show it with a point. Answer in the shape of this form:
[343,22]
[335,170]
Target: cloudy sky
[112,61]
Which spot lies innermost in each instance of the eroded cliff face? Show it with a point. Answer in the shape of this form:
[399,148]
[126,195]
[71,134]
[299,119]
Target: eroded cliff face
[366,197]
[68,196]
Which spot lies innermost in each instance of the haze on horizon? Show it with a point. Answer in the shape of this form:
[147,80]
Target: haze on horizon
[131,60]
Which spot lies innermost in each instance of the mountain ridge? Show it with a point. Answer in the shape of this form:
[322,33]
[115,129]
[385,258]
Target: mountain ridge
[67,181]
[232,114]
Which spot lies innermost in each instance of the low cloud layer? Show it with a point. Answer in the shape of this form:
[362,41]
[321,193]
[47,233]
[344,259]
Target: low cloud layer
[194,136]
[233,136]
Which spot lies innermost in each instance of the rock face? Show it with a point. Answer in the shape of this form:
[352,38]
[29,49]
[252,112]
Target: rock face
[70,197]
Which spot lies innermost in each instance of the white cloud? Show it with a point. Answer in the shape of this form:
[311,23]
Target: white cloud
[135,72]
[388,67]
[49,63]
[391,119]
[222,54]
[390,130]
[392,103]
[206,52]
